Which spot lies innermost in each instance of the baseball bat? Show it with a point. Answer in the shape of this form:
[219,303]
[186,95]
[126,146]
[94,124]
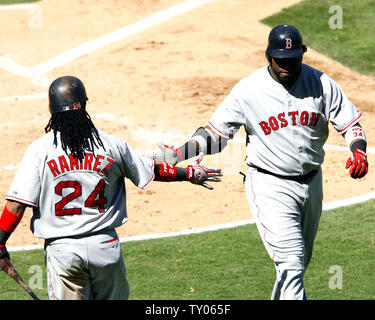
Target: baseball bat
[11,271]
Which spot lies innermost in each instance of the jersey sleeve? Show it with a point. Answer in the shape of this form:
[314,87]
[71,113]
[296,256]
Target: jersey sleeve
[229,115]
[339,110]
[26,185]
[139,169]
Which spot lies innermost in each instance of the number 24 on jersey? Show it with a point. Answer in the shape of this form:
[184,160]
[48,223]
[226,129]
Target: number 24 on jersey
[95,199]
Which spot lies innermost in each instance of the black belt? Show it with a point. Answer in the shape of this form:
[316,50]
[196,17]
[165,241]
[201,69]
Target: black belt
[301,178]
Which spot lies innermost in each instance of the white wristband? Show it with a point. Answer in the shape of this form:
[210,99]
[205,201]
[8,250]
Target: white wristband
[354,133]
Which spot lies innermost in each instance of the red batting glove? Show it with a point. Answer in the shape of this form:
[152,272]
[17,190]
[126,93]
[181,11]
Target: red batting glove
[198,174]
[358,164]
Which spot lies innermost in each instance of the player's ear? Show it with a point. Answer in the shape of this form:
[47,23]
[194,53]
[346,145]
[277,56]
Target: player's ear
[268,57]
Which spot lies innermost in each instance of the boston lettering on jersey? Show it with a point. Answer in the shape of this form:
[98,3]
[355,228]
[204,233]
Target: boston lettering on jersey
[65,164]
[281,121]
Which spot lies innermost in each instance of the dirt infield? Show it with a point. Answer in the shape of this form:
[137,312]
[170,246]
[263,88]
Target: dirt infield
[166,79]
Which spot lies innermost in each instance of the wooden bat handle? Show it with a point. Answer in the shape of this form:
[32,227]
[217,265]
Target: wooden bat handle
[11,271]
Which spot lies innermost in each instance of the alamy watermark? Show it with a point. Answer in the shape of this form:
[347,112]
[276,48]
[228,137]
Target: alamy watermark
[36,280]
[35,17]
[335,282]
[336,20]
[230,160]
[35,13]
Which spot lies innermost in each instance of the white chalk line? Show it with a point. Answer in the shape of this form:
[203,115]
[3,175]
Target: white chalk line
[341,148]
[347,202]
[26,72]
[117,35]
[35,73]
[326,206]
[9,167]
[20,6]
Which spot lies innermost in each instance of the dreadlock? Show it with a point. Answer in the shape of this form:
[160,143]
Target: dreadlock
[77,132]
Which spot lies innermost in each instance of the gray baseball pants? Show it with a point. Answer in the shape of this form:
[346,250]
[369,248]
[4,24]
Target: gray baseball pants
[86,268]
[287,215]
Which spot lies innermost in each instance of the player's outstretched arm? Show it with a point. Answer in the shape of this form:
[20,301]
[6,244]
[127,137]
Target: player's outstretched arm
[195,173]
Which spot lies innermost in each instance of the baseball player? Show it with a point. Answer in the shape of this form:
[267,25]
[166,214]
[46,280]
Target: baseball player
[73,178]
[285,108]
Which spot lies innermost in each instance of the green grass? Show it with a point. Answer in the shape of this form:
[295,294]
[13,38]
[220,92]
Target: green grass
[10,290]
[232,264]
[346,238]
[353,45]
[212,265]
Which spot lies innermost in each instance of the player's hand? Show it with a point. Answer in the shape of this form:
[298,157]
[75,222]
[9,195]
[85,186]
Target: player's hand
[166,154]
[358,164]
[198,174]
[4,252]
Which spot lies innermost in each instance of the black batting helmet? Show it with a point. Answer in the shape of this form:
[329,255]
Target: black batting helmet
[285,41]
[66,93]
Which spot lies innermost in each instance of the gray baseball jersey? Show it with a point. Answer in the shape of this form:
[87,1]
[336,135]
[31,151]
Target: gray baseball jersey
[286,128]
[70,197]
